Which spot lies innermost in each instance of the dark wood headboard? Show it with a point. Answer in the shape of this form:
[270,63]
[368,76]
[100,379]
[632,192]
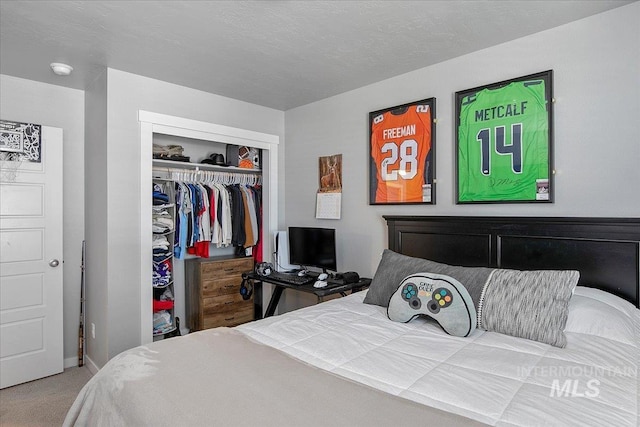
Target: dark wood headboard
[606,251]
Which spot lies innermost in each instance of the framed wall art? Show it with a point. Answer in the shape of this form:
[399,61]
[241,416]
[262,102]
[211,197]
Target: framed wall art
[20,141]
[402,154]
[504,141]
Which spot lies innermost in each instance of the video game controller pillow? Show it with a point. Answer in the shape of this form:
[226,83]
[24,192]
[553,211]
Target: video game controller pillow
[440,297]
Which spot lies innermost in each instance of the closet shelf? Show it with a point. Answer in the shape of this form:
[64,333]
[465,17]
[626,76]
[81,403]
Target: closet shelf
[158,163]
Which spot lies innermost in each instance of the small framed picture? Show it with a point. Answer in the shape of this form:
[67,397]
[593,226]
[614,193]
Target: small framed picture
[21,141]
[504,141]
[402,154]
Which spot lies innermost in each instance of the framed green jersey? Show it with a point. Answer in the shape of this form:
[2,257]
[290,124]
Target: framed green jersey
[504,141]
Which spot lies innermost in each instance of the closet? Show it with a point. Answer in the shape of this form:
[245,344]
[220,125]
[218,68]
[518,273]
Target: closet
[216,213]
[200,141]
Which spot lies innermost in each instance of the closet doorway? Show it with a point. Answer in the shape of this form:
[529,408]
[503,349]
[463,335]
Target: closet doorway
[160,124]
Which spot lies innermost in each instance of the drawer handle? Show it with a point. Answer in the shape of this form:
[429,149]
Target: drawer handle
[228,302]
[229,286]
[229,318]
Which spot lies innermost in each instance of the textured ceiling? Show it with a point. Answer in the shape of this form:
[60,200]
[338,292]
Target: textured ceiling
[280,54]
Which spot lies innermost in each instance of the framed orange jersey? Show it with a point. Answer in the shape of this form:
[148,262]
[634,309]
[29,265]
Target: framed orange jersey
[402,154]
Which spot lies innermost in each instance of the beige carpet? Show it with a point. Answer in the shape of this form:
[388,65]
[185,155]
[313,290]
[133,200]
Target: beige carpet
[44,402]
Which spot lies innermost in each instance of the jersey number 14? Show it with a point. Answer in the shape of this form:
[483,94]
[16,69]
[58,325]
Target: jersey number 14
[514,149]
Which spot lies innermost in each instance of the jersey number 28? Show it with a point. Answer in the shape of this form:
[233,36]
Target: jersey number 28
[408,154]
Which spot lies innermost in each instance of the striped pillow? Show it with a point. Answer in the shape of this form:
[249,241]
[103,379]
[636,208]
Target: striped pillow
[528,304]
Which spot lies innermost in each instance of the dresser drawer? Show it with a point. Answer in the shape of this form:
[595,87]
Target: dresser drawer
[218,270]
[228,319]
[225,303]
[230,285]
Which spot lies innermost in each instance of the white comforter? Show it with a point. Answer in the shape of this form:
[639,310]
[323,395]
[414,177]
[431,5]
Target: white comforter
[493,378]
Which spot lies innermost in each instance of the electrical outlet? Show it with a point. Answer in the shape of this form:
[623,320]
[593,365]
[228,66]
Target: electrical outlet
[93,331]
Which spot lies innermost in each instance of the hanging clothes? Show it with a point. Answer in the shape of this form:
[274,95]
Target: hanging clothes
[215,210]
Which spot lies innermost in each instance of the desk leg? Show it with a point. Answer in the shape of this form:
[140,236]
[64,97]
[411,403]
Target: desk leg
[273,303]
[257,299]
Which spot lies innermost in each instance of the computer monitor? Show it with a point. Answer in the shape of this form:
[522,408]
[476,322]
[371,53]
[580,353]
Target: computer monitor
[313,247]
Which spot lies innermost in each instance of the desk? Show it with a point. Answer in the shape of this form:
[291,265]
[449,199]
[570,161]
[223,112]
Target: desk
[279,286]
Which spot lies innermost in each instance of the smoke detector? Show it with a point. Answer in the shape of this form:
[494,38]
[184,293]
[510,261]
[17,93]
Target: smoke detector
[61,69]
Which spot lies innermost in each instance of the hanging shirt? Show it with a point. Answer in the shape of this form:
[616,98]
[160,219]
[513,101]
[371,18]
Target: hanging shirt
[182,202]
[253,214]
[237,216]
[205,216]
[213,214]
[224,215]
[248,230]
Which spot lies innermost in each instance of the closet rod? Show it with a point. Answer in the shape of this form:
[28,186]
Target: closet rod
[159,163]
[200,175]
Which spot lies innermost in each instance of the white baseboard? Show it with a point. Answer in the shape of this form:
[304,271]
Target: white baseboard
[93,368]
[72,362]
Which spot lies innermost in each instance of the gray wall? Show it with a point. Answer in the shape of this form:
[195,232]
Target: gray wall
[596,63]
[28,101]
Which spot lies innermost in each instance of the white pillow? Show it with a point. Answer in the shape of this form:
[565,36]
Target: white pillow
[599,313]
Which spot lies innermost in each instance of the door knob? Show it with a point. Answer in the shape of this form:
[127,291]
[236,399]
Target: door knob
[54,263]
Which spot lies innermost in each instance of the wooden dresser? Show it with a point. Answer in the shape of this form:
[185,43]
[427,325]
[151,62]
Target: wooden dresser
[213,292]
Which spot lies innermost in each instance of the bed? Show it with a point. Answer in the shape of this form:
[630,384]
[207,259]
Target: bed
[344,362]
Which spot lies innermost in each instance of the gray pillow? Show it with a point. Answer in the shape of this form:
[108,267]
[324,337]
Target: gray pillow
[394,267]
[528,304]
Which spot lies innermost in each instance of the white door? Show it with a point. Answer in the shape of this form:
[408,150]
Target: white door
[31,341]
